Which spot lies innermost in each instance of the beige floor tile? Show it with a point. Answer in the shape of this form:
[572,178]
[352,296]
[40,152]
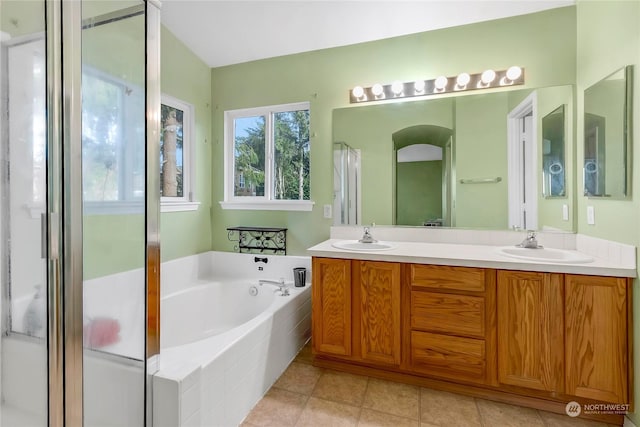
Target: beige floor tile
[304,355]
[423,424]
[393,398]
[324,413]
[299,378]
[371,418]
[559,420]
[448,409]
[277,408]
[341,387]
[504,415]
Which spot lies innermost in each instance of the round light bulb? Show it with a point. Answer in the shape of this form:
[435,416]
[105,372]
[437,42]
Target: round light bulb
[418,85]
[377,89]
[357,92]
[463,79]
[513,73]
[488,76]
[441,82]
[397,87]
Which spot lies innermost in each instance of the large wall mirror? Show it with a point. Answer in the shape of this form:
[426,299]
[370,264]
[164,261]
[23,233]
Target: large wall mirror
[445,161]
[607,148]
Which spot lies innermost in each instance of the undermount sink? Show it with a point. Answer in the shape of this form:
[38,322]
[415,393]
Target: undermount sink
[355,245]
[545,255]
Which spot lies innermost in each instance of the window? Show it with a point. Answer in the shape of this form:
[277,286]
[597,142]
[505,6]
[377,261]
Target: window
[113,143]
[267,158]
[176,155]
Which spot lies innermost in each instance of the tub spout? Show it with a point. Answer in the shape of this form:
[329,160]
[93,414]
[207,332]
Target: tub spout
[282,288]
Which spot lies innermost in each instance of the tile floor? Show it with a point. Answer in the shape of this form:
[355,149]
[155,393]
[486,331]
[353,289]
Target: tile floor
[308,396]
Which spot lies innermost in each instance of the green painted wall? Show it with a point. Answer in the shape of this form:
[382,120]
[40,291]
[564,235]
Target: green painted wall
[325,77]
[114,243]
[186,77]
[608,39]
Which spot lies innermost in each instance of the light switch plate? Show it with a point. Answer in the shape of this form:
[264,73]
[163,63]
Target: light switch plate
[327,211]
[591,215]
[565,212]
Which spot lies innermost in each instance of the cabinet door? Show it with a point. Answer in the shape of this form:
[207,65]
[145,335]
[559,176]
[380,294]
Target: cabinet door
[331,306]
[379,289]
[530,330]
[596,338]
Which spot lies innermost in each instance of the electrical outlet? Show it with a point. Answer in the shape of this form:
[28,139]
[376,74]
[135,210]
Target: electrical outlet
[565,212]
[591,215]
[327,211]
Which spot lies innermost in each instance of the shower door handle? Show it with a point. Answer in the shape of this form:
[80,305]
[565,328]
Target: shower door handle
[51,244]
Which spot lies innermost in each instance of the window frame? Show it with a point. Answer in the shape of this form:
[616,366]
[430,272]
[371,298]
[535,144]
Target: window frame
[266,202]
[187,201]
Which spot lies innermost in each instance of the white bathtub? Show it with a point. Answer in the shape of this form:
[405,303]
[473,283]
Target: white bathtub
[210,309]
[222,347]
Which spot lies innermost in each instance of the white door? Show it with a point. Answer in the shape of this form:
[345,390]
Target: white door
[522,184]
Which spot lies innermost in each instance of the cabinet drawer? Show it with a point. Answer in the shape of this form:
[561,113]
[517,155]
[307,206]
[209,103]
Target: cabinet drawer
[444,277]
[449,357]
[448,313]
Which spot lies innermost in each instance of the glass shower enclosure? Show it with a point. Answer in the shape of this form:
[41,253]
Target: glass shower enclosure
[79,207]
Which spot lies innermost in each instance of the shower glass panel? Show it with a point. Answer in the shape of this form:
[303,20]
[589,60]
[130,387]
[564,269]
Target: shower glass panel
[23,197]
[113,181]
[346,185]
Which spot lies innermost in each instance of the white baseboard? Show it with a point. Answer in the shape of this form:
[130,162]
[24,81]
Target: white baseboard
[628,422]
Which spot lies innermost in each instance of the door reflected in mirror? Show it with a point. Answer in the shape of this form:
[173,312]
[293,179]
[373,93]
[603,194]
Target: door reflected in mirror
[607,124]
[553,164]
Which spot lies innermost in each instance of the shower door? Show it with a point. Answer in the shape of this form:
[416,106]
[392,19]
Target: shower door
[79,202]
[113,211]
[23,191]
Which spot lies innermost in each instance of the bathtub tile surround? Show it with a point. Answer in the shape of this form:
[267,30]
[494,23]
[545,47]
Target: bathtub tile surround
[379,403]
[216,380]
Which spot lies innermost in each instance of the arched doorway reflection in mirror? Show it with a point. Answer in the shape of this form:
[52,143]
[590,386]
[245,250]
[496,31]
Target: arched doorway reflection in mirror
[423,169]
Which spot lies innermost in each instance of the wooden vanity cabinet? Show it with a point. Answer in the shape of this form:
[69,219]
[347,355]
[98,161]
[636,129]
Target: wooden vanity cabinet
[534,338]
[597,342]
[531,330]
[377,312]
[331,308]
[452,322]
[356,310]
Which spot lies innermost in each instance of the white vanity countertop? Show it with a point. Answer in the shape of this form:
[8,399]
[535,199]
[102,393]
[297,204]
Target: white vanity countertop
[463,255]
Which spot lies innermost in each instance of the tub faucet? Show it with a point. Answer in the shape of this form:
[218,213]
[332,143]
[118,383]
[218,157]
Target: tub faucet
[282,288]
[530,242]
[367,237]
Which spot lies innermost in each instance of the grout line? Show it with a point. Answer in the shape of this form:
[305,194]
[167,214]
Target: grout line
[480,417]
[306,402]
[364,396]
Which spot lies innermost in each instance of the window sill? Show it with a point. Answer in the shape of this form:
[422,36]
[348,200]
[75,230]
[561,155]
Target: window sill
[270,205]
[167,206]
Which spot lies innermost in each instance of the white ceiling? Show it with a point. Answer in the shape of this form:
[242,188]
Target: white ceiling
[231,32]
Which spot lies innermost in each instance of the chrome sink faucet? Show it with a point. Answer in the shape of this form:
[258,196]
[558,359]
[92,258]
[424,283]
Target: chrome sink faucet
[282,288]
[530,242]
[367,237]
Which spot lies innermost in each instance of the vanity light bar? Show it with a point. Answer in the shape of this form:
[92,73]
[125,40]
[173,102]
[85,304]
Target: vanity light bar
[486,80]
